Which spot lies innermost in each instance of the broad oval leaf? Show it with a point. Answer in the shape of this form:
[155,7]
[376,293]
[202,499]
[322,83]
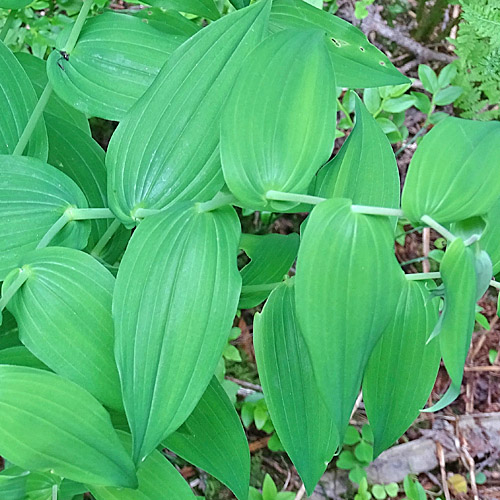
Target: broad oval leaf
[33,196]
[403,368]
[357,63]
[302,421]
[176,295]
[364,169]
[271,256]
[36,69]
[347,286]
[114,62]
[168,21]
[17,101]
[80,157]
[213,439]
[167,148]
[20,356]
[202,8]
[50,423]
[455,171]
[13,484]
[278,126]
[63,311]
[490,240]
[157,477]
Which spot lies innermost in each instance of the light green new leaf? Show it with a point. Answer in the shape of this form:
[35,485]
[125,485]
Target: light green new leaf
[167,21]
[490,240]
[458,316]
[167,147]
[271,256]
[202,8]
[36,69]
[402,369]
[365,169]
[33,196]
[278,126]
[114,62]
[176,295]
[64,315]
[158,478]
[50,423]
[302,421]
[213,439]
[83,160]
[455,171]
[358,64]
[17,101]
[347,286]
[12,484]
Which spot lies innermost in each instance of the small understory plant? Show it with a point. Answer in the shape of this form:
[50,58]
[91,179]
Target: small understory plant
[119,268]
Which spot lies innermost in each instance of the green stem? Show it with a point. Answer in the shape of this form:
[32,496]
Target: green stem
[14,287]
[381,108]
[423,276]
[364,209]
[54,492]
[346,113]
[33,120]
[295,197]
[495,284]
[438,227]
[260,288]
[89,213]
[8,24]
[412,140]
[77,27]
[56,227]
[108,234]
[219,200]
[140,213]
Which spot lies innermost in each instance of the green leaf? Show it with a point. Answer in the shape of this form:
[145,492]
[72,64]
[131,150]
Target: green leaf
[346,460]
[422,102]
[357,475]
[303,423]
[271,256]
[239,4]
[371,99]
[392,393]
[491,235]
[170,339]
[33,196]
[492,356]
[399,104]
[269,490]
[157,477]
[215,441]
[364,452]
[50,423]
[446,75]
[392,489]
[278,126]
[357,63]
[17,102]
[36,69]
[158,154]
[365,168]
[12,485]
[453,174]
[379,492]
[64,315]
[254,494]
[428,78]
[114,62]
[351,436]
[170,22]
[202,8]
[14,4]
[82,159]
[347,287]
[20,356]
[448,95]
[459,279]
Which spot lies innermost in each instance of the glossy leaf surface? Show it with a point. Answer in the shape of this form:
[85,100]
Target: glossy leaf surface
[175,298]
[278,127]
[357,63]
[36,69]
[167,148]
[490,240]
[271,256]
[302,421]
[202,8]
[64,315]
[50,423]
[114,62]
[17,101]
[365,169]
[33,195]
[455,171]
[157,477]
[347,286]
[213,439]
[402,369]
